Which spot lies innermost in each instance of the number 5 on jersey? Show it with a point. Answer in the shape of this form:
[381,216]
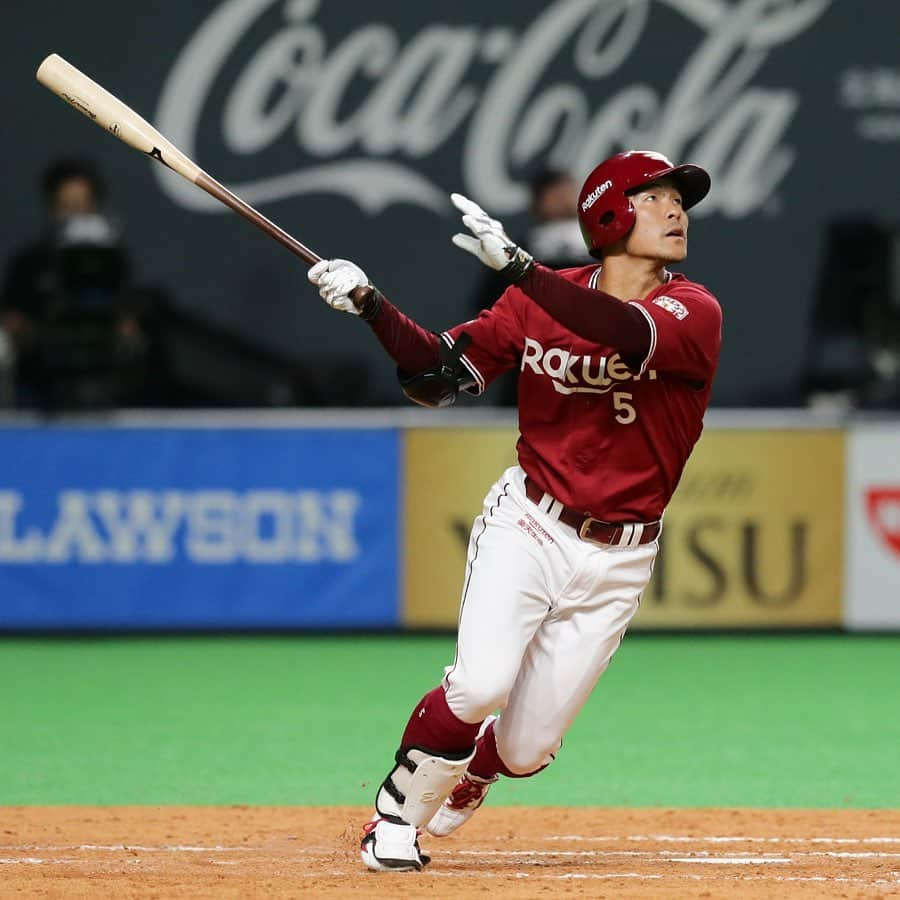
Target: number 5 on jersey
[625,411]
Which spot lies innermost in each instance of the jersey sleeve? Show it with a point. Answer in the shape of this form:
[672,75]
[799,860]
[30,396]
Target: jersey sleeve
[686,326]
[497,340]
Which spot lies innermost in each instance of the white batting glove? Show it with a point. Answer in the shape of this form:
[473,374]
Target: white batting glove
[336,279]
[491,244]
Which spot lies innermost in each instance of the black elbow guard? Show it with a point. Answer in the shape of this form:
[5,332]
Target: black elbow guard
[438,386]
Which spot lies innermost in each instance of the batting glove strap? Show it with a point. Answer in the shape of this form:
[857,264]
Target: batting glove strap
[518,266]
[371,306]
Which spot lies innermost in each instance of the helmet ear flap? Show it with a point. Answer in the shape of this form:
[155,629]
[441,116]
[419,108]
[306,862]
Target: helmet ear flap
[612,223]
[607,217]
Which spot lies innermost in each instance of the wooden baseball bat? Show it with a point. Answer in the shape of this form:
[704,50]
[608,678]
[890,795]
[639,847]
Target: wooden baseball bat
[112,114]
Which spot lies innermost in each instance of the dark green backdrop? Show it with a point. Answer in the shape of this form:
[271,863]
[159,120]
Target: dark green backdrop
[791,105]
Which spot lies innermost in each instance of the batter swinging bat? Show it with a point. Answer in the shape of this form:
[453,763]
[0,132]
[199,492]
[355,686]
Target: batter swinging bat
[112,114]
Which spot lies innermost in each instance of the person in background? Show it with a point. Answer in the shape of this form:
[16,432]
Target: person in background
[555,232]
[64,311]
[853,343]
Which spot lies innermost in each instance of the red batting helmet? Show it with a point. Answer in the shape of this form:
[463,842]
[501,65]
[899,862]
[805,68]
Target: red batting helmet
[605,211]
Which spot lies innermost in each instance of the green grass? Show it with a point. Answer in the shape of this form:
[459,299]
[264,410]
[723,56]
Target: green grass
[795,720]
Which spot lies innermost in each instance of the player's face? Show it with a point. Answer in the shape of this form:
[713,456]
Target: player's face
[661,226]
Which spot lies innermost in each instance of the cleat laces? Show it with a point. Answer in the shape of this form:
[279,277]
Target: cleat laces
[466,793]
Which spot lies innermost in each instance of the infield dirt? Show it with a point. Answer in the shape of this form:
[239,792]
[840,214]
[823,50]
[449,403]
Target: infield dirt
[126,852]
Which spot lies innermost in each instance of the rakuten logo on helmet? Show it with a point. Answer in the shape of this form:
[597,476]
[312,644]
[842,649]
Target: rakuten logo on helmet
[595,195]
[574,374]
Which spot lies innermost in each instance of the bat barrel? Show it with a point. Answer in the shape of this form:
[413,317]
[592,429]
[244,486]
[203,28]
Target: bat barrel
[109,112]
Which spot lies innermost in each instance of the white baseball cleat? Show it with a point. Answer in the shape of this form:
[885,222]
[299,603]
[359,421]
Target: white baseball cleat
[391,847]
[460,806]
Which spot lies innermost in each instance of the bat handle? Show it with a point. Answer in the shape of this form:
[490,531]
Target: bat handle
[221,193]
[362,297]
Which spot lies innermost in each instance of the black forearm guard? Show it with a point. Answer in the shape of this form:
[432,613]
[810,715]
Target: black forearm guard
[438,386]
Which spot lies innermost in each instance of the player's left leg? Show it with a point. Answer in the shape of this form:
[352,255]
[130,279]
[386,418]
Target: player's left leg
[566,657]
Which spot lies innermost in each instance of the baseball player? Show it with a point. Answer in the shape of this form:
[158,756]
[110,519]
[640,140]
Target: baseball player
[616,361]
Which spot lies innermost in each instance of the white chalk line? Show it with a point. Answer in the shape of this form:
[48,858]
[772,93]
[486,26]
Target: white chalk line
[731,860]
[674,876]
[63,861]
[323,852]
[712,839]
[539,858]
[662,855]
[574,876]
[162,848]
[540,876]
[575,838]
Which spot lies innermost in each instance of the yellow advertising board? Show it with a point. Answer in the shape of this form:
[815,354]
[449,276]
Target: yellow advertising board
[753,537]
[754,534]
[448,474]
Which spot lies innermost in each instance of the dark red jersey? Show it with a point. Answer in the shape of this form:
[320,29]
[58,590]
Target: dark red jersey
[604,438]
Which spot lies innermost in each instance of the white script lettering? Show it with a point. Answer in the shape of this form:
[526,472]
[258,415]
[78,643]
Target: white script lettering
[411,99]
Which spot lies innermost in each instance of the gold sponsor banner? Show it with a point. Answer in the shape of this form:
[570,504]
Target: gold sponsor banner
[753,537]
[754,534]
[448,474]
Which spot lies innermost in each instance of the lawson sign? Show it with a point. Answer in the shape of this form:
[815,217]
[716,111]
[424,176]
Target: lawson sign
[198,528]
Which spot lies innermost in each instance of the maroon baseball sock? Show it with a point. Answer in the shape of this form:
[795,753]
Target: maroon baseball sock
[433,726]
[487,763]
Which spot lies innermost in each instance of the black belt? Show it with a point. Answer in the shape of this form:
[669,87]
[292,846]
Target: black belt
[621,534]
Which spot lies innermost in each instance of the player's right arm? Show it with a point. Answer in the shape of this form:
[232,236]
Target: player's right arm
[406,342]
[431,368]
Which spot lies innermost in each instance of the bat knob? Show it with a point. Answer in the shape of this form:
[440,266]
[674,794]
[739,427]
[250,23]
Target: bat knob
[367,300]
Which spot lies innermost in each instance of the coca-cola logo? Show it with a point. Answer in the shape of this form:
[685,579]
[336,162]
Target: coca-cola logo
[428,90]
[883,508]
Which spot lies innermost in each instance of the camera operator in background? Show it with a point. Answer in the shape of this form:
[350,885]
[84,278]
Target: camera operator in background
[556,237]
[69,320]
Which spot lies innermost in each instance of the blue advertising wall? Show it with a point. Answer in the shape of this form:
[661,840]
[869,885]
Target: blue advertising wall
[157,528]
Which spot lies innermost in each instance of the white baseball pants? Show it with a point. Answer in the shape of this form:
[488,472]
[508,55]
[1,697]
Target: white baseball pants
[542,613]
